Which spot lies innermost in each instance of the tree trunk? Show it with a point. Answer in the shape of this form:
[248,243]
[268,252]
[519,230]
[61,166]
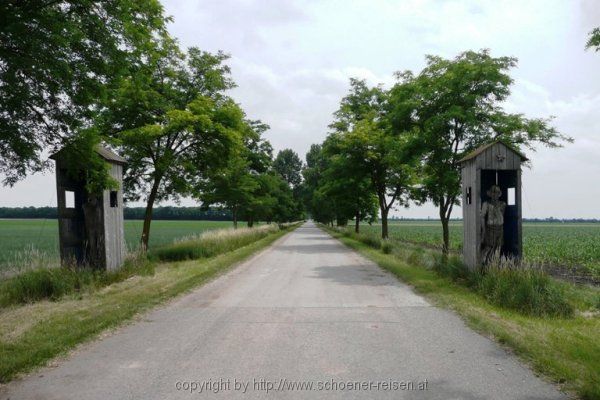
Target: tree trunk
[234,215]
[384,209]
[445,231]
[384,223]
[148,214]
[250,222]
[357,223]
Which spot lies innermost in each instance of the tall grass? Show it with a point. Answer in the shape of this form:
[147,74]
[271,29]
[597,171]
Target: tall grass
[28,259]
[53,283]
[209,244]
[522,287]
[528,291]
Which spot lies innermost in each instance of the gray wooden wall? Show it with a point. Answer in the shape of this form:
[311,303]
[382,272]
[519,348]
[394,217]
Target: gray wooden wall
[113,223]
[471,226]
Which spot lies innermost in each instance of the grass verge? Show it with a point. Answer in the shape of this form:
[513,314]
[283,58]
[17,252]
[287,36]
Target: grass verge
[33,334]
[54,283]
[565,349]
[211,243]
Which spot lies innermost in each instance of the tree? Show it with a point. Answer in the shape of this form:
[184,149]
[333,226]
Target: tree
[232,186]
[347,186]
[58,60]
[594,40]
[241,185]
[362,102]
[320,209]
[174,123]
[456,106]
[390,164]
[289,166]
[273,201]
[259,151]
[166,159]
[365,137]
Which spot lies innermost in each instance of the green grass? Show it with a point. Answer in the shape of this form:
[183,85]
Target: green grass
[54,283]
[554,243]
[33,241]
[211,243]
[32,334]
[565,349]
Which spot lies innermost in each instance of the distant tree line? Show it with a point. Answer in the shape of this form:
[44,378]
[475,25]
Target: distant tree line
[213,214]
[180,214]
[548,219]
[160,213]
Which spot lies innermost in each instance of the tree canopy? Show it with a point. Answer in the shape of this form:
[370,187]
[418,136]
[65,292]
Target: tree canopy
[594,40]
[289,166]
[364,153]
[58,61]
[174,122]
[343,190]
[456,105]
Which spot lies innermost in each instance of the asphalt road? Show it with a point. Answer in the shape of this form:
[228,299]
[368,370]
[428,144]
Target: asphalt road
[306,311]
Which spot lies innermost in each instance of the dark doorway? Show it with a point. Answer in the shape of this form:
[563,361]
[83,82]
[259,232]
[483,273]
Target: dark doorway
[507,181]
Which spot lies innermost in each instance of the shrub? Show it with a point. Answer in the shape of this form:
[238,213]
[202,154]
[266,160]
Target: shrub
[38,284]
[386,246]
[452,267]
[54,283]
[370,240]
[528,291]
[505,283]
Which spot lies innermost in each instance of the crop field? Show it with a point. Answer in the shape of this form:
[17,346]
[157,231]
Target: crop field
[35,240]
[552,243]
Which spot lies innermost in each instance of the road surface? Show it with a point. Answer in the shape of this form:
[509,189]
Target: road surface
[307,311]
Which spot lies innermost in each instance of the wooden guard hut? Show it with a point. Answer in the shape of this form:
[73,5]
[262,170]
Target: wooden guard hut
[492,164]
[91,230]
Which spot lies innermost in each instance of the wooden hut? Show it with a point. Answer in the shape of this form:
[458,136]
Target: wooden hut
[492,164]
[91,230]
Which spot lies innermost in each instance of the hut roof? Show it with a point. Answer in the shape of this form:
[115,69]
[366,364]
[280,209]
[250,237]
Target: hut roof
[109,155]
[483,148]
[104,152]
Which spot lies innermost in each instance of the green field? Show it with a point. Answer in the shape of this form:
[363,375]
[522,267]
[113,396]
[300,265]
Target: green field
[554,243]
[25,239]
[561,244]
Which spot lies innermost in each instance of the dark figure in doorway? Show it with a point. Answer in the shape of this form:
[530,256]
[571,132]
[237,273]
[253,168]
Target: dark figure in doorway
[492,224]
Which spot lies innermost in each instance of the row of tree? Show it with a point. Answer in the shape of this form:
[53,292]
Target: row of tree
[76,73]
[164,213]
[400,146]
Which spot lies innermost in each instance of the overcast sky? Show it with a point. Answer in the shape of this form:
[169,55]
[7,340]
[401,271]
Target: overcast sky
[292,62]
